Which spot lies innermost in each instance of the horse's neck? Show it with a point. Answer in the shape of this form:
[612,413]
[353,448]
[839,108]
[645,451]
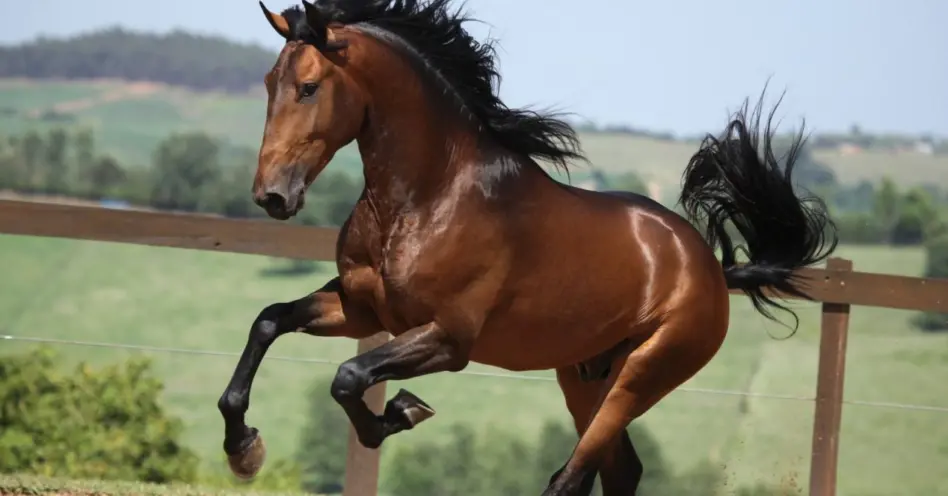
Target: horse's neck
[406,167]
[416,153]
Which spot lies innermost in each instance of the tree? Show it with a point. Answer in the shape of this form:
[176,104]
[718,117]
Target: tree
[856,198]
[104,176]
[234,190]
[101,424]
[186,173]
[936,265]
[11,170]
[916,217]
[861,228]
[56,171]
[887,203]
[330,199]
[31,154]
[84,148]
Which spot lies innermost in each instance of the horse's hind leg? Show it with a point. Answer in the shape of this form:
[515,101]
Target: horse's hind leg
[675,352]
[621,469]
[422,350]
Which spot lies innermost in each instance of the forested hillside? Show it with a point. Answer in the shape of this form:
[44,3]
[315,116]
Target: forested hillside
[177,58]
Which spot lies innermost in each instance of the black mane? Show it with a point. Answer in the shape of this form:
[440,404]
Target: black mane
[461,64]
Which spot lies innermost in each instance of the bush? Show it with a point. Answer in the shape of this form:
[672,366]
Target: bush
[498,463]
[861,229]
[99,424]
[321,454]
[463,464]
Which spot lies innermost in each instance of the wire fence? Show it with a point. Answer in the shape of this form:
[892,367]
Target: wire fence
[493,375]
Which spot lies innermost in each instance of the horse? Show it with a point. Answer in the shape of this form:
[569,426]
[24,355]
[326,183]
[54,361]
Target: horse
[465,249]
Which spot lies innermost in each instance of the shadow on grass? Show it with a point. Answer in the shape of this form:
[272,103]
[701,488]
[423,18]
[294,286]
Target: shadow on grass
[290,268]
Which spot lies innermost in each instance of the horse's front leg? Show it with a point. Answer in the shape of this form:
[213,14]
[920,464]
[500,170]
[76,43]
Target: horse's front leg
[325,312]
[419,351]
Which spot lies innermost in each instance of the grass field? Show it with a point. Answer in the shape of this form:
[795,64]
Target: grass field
[130,119]
[189,299]
[32,485]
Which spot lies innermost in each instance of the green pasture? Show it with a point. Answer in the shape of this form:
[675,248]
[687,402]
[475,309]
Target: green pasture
[111,293]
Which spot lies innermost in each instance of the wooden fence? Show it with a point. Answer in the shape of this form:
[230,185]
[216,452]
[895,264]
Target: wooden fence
[838,287]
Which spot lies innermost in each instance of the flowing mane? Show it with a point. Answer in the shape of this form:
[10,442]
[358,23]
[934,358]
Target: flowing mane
[433,36]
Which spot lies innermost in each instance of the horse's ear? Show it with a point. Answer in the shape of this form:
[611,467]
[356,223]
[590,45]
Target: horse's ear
[326,39]
[277,21]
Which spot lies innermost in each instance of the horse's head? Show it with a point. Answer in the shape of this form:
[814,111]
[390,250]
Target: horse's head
[313,109]
[407,79]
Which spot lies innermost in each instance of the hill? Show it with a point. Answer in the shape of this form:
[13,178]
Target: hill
[194,300]
[176,58]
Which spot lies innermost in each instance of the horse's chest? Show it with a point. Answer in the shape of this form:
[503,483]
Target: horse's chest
[389,283]
[401,269]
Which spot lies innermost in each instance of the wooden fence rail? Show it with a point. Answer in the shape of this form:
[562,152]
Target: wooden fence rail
[838,287]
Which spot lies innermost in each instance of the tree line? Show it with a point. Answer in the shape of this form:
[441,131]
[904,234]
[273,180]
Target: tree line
[189,172]
[176,58]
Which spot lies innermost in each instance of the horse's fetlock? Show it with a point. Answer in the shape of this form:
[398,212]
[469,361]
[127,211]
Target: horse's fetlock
[233,402]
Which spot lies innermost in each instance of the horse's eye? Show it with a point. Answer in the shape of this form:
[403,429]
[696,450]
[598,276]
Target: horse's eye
[308,89]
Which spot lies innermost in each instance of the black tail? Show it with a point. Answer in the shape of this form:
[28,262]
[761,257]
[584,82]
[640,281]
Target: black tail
[728,180]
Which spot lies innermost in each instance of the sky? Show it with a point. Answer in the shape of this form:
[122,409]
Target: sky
[666,65]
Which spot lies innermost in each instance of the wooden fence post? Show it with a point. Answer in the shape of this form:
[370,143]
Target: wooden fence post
[362,464]
[834,331]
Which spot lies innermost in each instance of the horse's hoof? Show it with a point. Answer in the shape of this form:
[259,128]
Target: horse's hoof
[248,461]
[410,407]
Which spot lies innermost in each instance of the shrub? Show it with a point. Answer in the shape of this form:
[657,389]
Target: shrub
[101,424]
[936,265]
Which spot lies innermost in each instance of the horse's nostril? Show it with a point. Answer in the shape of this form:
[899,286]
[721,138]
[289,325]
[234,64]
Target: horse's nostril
[274,201]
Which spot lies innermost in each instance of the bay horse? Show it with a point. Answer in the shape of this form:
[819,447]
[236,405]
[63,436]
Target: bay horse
[464,248]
